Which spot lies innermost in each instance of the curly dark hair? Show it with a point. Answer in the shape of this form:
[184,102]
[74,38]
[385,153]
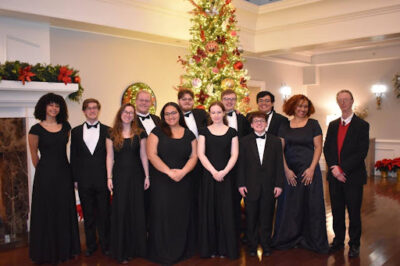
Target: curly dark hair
[40,108]
[290,105]
[164,126]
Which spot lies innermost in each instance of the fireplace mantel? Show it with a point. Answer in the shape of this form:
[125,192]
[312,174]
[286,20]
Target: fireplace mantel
[13,94]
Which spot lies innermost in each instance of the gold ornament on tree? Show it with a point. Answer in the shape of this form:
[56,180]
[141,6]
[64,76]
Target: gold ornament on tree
[212,47]
[227,83]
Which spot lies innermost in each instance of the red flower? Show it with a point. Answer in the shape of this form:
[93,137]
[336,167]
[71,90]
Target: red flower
[238,65]
[202,96]
[384,165]
[197,58]
[221,39]
[243,82]
[227,2]
[64,75]
[77,79]
[25,74]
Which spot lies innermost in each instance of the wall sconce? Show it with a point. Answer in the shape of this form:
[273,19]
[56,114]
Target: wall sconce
[286,92]
[378,90]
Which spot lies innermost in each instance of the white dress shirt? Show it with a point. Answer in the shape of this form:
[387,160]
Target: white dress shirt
[261,146]
[148,123]
[232,120]
[91,135]
[191,123]
[347,120]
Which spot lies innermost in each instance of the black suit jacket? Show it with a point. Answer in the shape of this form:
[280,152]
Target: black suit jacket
[353,153]
[256,177]
[243,125]
[88,169]
[155,119]
[200,116]
[276,121]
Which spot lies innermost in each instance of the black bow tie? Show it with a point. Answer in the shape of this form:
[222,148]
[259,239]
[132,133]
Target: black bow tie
[90,126]
[260,137]
[230,113]
[188,113]
[144,117]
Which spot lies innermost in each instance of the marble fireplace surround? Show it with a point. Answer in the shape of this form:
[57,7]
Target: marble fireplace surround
[18,100]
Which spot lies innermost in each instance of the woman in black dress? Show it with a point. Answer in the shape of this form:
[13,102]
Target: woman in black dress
[171,149]
[301,218]
[127,178]
[218,151]
[54,234]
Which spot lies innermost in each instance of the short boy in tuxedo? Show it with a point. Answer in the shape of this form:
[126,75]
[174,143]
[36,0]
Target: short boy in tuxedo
[260,181]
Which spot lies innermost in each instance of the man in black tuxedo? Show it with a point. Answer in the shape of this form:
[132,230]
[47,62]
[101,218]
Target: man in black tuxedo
[195,119]
[88,163]
[237,121]
[145,120]
[265,102]
[260,181]
[346,146]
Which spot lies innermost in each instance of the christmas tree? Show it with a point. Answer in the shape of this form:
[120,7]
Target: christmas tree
[215,62]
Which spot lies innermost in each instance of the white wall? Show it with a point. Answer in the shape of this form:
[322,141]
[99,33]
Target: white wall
[108,65]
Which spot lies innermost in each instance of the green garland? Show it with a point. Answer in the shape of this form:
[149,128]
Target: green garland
[396,83]
[11,70]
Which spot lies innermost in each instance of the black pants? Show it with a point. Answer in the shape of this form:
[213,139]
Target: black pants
[95,204]
[346,195]
[259,216]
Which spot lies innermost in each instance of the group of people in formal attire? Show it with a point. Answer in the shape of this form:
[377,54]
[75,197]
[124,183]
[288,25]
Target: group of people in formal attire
[166,188]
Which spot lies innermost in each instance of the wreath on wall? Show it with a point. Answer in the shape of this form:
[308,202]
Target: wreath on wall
[129,95]
[396,83]
[24,72]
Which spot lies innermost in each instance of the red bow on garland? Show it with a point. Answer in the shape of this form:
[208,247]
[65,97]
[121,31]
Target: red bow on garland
[25,74]
[64,75]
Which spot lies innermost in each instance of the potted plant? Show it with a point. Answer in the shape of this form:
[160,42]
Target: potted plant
[395,164]
[384,166]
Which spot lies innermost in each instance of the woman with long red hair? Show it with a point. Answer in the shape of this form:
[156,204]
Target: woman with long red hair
[128,177]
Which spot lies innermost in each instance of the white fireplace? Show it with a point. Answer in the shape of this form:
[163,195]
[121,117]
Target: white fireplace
[18,101]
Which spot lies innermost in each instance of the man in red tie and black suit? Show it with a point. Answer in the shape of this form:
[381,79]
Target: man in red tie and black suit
[346,146]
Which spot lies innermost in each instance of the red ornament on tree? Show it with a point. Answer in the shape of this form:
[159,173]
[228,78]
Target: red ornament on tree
[238,65]
[64,75]
[202,96]
[25,74]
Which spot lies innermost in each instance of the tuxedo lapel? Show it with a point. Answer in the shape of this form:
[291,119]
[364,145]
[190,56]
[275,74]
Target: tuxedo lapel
[272,122]
[254,149]
[101,134]
[267,146]
[80,134]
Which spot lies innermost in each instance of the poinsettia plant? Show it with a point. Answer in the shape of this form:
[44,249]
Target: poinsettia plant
[395,164]
[383,165]
[24,72]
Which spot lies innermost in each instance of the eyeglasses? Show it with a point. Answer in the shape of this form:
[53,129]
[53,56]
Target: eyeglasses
[171,113]
[128,113]
[229,99]
[143,100]
[261,121]
[186,99]
[92,108]
[264,100]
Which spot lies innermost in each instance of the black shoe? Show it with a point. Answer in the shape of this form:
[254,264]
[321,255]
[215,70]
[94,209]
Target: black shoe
[335,246]
[266,252]
[106,252]
[354,251]
[89,252]
[253,253]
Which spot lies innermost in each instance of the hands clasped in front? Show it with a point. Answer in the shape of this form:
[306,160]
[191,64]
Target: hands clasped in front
[307,176]
[219,175]
[176,174]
